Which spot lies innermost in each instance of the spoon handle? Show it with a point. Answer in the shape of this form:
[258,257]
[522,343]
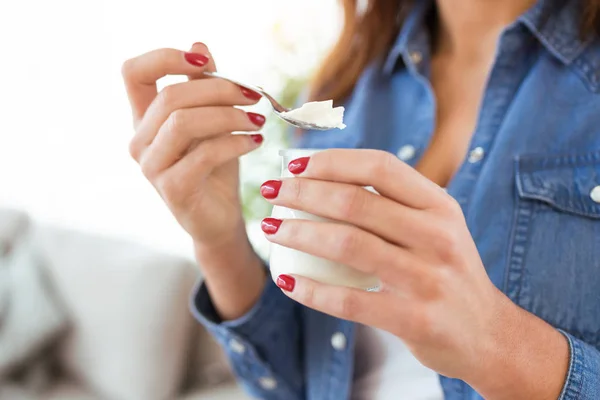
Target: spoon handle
[276,106]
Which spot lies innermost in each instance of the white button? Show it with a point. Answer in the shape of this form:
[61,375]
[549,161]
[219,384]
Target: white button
[338,341]
[406,152]
[267,383]
[236,346]
[416,57]
[476,155]
[595,194]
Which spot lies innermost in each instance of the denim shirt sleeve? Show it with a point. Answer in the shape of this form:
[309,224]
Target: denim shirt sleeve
[583,378]
[263,346]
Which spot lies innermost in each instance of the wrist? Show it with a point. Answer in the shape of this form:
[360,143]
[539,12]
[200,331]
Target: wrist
[230,250]
[233,273]
[523,357]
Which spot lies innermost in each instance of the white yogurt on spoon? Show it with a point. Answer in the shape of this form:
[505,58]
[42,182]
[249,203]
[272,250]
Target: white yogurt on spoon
[320,113]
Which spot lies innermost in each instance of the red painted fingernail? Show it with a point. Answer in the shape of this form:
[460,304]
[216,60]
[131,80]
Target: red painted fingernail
[286,282]
[251,94]
[270,189]
[270,226]
[298,165]
[196,59]
[257,138]
[257,119]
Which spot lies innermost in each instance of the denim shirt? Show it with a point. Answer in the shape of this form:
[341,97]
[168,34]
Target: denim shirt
[529,189]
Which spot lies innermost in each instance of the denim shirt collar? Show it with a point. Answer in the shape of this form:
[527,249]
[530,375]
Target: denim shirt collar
[555,24]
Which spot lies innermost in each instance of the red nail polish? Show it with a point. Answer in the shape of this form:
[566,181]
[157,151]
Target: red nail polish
[257,119]
[257,138]
[270,226]
[286,282]
[270,189]
[196,59]
[251,94]
[298,166]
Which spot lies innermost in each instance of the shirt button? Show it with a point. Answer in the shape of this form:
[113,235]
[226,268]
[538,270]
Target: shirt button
[267,383]
[406,152]
[338,341]
[416,57]
[236,346]
[476,155]
[595,194]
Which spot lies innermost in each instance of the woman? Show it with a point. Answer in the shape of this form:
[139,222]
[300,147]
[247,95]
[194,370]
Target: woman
[493,284]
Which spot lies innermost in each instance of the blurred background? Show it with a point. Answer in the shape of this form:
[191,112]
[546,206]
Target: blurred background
[86,244]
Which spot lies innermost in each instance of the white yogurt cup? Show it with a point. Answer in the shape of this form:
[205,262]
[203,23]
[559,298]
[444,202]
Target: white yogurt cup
[288,261]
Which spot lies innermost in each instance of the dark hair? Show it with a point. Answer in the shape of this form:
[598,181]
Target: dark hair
[368,35]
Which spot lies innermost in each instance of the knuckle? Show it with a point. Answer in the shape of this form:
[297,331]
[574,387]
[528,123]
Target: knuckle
[170,188]
[307,296]
[230,119]
[148,169]
[294,190]
[127,68]
[432,285]
[382,163]
[447,243]
[227,92]
[177,122]
[348,305]
[452,208]
[204,157]
[218,89]
[352,202]
[134,149]
[166,98]
[292,231]
[346,244]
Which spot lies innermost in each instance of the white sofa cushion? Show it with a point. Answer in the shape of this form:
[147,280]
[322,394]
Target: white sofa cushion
[31,318]
[129,310]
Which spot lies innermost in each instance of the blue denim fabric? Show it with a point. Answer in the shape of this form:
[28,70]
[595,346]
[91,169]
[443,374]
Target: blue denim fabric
[527,201]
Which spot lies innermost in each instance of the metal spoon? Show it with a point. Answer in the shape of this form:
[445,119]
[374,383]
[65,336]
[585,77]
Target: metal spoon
[277,108]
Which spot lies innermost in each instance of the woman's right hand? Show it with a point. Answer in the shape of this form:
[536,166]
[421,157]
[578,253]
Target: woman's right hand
[184,145]
[183,139]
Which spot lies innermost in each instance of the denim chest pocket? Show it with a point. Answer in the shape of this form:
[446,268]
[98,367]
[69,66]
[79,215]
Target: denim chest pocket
[554,261]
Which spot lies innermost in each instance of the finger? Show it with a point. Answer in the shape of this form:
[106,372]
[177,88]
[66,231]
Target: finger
[394,222]
[376,309]
[351,246]
[387,174]
[142,72]
[201,48]
[203,159]
[197,93]
[189,124]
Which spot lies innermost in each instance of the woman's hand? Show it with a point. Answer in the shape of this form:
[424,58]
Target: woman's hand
[185,148]
[183,139]
[436,295]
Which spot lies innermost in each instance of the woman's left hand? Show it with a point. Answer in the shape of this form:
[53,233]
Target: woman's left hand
[435,295]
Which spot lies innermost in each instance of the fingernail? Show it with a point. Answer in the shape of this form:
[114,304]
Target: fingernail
[251,94]
[270,189]
[257,138]
[196,59]
[286,283]
[298,165]
[257,119]
[270,226]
